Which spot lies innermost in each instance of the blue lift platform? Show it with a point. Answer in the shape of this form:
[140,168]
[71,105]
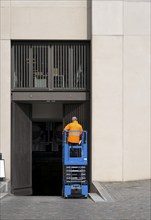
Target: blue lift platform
[75,166]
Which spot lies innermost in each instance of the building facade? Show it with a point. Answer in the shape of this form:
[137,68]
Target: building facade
[118,34]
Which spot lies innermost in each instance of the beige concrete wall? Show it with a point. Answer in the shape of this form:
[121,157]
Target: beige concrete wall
[46,19]
[136,107]
[0,80]
[5,103]
[136,89]
[121,89]
[107,108]
[5,88]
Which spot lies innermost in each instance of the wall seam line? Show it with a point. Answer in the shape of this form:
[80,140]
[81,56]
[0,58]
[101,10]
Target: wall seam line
[0,75]
[123,99]
[150,93]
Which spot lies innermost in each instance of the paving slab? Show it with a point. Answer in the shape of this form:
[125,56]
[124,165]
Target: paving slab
[132,201]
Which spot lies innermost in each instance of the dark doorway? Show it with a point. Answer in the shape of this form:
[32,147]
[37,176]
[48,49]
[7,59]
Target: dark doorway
[47,158]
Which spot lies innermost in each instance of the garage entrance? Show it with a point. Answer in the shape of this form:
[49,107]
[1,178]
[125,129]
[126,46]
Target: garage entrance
[37,144]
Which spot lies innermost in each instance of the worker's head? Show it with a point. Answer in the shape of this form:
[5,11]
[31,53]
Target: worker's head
[74,118]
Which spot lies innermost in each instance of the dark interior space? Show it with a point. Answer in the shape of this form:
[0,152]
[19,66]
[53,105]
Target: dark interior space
[47,158]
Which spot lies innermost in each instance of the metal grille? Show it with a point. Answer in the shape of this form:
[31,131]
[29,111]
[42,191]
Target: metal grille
[40,66]
[53,65]
[70,66]
[20,71]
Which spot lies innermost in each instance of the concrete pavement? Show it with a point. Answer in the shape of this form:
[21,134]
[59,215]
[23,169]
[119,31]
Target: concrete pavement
[131,201]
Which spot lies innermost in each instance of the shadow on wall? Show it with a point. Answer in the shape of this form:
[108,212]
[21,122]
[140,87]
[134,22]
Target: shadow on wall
[89,19]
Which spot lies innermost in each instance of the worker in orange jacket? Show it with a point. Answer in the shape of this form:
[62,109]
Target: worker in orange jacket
[76,131]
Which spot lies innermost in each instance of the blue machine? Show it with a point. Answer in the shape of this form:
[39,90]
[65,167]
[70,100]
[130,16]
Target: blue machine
[75,163]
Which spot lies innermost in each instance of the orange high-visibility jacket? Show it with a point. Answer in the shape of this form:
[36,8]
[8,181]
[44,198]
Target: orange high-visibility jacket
[76,128]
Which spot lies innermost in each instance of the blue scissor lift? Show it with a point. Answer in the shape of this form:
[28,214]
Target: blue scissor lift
[75,163]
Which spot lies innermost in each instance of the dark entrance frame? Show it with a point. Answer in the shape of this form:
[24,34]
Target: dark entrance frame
[26,96]
[21,175]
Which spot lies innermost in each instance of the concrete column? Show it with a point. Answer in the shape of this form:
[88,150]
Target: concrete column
[0,76]
[121,68]
[107,76]
[5,88]
[136,93]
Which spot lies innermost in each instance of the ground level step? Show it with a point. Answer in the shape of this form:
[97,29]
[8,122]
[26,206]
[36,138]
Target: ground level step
[95,197]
